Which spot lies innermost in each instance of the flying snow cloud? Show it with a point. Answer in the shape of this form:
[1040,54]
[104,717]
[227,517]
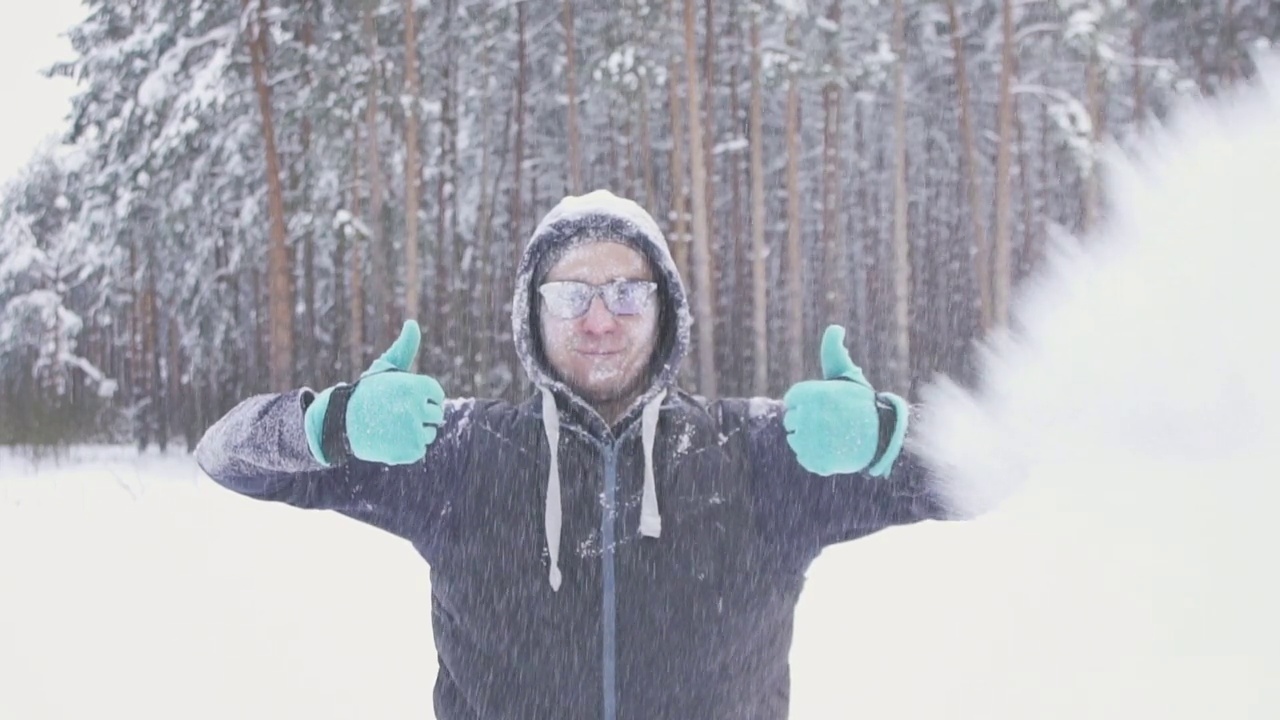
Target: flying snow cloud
[1150,339]
[1126,432]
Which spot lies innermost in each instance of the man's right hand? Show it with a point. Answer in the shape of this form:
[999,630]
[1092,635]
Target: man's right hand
[390,415]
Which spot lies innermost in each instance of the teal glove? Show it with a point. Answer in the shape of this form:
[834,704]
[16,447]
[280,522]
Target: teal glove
[834,424]
[390,415]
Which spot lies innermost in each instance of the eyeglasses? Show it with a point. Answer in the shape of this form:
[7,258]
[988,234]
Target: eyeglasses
[569,299]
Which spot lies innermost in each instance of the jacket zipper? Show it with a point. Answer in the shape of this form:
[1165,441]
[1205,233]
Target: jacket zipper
[609,614]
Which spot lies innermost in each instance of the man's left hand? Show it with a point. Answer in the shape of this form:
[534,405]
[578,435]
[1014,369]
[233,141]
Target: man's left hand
[834,424]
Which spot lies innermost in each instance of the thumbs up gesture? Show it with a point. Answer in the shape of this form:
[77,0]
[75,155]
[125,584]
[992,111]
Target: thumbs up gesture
[834,424]
[390,415]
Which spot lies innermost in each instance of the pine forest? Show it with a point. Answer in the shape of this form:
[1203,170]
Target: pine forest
[253,196]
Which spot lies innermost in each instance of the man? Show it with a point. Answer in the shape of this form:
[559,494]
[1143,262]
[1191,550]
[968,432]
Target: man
[613,547]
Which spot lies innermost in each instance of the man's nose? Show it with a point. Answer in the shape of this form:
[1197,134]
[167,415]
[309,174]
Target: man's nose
[598,319]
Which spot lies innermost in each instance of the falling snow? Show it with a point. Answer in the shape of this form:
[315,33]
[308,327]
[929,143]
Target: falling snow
[1121,445]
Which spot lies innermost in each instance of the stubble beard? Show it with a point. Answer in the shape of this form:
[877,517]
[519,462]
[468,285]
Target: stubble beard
[611,400]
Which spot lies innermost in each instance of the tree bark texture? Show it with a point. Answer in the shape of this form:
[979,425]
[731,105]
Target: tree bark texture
[281,303]
[703,290]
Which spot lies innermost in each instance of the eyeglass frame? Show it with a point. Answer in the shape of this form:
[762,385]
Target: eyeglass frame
[600,291]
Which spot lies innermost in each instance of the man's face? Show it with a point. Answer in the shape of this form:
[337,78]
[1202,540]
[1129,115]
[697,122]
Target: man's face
[601,356]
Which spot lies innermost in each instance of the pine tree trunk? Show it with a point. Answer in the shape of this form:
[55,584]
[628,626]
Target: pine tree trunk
[707,120]
[617,166]
[900,263]
[648,183]
[759,280]
[138,349]
[626,138]
[355,266]
[309,334]
[339,315]
[981,267]
[1045,207]
[736,240]
[380,297]
[1027,257]
[281,304]
[460,338]
[151,353]
[226,385]
[571,63]
[1094,100]
[132,354]
[680,237]
[482,279]
[1002,271]
[861,233]
[704,291]
[795,256]
[517,185]
[412,163]
[443,250]
[451,296]
[835,280]
[175,388]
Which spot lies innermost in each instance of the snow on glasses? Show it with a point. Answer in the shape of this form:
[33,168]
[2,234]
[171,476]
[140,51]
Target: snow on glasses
[569,299]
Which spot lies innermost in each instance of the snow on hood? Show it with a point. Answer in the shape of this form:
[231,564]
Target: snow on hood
[596,216]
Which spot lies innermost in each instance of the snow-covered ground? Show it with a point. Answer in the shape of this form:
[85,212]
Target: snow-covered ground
[135,587]
[1132,575]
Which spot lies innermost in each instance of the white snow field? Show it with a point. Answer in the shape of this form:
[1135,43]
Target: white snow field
[1130,573]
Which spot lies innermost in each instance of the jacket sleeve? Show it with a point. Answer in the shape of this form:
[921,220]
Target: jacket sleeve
[800,508]
[259,449]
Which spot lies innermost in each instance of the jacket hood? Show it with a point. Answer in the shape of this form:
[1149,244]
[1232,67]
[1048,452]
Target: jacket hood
[597,216]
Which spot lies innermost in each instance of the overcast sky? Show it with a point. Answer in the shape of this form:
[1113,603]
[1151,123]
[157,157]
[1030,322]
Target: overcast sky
[32,37]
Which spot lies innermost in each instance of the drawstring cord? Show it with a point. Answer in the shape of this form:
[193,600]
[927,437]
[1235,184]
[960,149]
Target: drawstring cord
[650,519]
[551,423]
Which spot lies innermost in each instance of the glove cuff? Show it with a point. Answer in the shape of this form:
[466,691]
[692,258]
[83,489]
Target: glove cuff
[326,425]
[893,413]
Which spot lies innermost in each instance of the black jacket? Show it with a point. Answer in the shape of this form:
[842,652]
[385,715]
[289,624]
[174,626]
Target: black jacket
[695,624]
